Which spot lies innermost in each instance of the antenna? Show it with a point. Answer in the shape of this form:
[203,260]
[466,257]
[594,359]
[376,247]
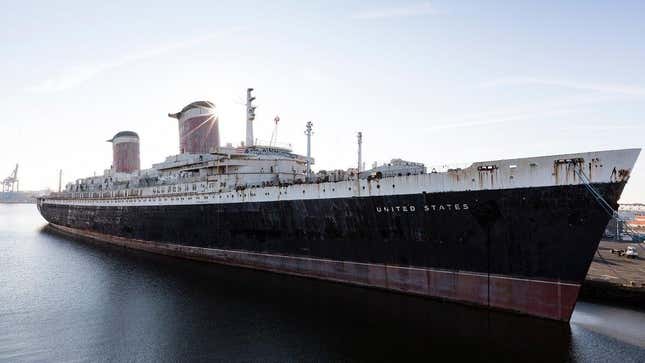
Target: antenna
[274,134]
[309,132]
[250,116]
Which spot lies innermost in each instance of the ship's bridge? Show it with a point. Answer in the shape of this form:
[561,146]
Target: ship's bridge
[275,151]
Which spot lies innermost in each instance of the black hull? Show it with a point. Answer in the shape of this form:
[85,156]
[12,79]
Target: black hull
[546,234]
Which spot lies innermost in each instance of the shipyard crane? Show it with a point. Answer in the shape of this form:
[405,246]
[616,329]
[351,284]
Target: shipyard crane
[11,183]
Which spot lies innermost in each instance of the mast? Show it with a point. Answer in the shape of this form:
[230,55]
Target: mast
[250,116]
[309,132]
[15,177]
[360,152]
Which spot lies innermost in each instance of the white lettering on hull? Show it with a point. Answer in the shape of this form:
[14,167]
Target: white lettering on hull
[448,207]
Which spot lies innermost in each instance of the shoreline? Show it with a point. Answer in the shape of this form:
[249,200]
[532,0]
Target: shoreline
[614,279]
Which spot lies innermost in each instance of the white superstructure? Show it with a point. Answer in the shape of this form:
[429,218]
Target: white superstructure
[257,173]
[245,178]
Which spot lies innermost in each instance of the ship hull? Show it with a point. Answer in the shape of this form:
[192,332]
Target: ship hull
[525,250]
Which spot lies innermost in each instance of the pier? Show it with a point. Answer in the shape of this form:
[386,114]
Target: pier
[614,278]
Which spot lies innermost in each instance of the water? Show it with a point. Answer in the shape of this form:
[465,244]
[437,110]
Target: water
[66,300]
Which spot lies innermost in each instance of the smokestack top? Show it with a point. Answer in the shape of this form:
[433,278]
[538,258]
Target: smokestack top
[196,104]
[124,134]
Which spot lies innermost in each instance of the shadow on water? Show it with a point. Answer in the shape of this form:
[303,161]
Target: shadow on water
[166,308]
[65,300]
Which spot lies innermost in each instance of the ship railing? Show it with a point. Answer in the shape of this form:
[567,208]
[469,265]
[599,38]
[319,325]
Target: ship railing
[442,168]
[269,143]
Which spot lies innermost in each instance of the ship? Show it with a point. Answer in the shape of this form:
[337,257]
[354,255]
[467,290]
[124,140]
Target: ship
[516,235]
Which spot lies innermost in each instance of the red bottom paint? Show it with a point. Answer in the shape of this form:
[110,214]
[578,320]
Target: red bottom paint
[546,299]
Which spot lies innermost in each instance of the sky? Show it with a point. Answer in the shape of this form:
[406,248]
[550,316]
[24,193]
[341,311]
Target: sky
[440,82]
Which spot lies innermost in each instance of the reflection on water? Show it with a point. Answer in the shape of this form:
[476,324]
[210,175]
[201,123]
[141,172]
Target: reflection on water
[62,299]
[623,324]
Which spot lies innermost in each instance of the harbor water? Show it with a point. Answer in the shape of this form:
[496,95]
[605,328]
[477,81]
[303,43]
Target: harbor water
[65,299]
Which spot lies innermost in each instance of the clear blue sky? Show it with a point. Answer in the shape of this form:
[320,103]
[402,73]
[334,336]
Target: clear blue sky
[437,82]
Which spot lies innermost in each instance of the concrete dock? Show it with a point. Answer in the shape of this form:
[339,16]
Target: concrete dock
[614,278]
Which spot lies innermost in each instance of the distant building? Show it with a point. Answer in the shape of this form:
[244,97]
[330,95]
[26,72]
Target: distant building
[632,222]
[638,223]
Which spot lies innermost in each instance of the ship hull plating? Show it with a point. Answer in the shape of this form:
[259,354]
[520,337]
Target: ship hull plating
[525,250]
